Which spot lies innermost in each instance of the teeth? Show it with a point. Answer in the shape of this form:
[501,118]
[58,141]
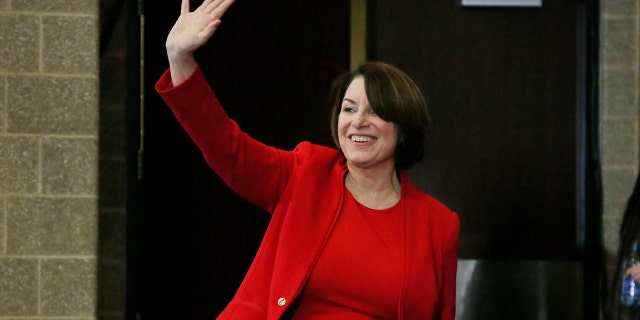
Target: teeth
[361,139]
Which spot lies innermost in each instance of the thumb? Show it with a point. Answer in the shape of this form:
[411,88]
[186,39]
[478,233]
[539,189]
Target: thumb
[184,8]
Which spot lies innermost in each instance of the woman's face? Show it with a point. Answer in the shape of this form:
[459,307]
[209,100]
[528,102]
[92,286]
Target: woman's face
[365,139]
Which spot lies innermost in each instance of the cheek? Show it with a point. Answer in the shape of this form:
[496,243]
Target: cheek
[341,135]
[390,129]
[341,126]
[340,130]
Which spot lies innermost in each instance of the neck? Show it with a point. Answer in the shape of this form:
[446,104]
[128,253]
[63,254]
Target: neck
[374,189]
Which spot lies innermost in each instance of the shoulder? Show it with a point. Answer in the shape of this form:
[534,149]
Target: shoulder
[308,153]
[318,165]
[427,215]
[429,204]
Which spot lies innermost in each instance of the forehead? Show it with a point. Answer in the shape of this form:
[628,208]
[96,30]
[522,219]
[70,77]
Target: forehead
[356,89]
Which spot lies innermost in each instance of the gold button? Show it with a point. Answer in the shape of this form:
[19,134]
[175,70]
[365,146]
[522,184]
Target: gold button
[282,302]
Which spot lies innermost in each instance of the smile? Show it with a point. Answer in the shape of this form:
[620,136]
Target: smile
[361,138]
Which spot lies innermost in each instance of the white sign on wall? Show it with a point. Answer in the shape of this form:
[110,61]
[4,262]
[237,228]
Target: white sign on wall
[502,3]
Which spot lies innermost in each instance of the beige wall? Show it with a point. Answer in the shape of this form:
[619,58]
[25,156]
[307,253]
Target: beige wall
[48,159]
[619,114]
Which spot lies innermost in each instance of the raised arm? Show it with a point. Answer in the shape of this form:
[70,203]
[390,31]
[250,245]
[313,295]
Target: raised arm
[190,32]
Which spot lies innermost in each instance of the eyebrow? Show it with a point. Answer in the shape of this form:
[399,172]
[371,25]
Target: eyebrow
[349,100]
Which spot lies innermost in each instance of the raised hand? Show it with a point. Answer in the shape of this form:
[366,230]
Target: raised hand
[191,31]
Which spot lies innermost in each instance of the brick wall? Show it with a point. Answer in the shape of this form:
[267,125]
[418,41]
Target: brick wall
[48,159]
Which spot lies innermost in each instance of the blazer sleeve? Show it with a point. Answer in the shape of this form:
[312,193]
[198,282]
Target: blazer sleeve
[450,268]
[255,171]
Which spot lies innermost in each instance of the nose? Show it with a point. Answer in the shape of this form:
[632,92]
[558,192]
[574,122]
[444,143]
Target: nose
[360,119]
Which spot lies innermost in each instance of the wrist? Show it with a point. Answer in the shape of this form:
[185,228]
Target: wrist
[181,66]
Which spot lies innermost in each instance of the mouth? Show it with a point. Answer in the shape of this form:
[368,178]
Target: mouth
[361,138]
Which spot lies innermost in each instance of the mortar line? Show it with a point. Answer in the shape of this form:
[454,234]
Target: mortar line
[39,295]
[5,237]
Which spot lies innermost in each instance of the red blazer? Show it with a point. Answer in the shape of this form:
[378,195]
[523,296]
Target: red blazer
[303,190]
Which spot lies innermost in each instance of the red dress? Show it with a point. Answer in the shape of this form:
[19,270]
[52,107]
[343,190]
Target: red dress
[358,275]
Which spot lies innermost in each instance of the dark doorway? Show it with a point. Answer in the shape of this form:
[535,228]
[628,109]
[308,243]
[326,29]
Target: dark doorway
[270,64]
[502,83]
[513,148]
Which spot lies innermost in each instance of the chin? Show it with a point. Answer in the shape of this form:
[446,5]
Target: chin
[360,163]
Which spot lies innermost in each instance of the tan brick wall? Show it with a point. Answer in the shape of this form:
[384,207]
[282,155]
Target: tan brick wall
[620,136]
[48,158]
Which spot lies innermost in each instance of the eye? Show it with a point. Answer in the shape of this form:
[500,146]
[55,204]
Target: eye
[348,109]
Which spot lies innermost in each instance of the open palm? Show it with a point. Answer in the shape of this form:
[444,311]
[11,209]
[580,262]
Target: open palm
[193,29]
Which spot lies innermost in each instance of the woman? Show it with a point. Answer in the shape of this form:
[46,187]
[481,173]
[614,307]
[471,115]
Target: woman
[349,237]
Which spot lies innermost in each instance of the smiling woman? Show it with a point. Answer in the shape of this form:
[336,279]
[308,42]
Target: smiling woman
[368,142]
[392,96]
[350,237]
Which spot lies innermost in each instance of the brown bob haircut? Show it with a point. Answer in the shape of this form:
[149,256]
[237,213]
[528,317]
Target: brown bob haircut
[395,98]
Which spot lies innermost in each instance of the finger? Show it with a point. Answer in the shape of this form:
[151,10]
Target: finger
[184,8]
[211,5]
[212,26]
[203,6]
[219,7]
[222,8]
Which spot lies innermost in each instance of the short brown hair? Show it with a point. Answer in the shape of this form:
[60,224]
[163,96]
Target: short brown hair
[394,97]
